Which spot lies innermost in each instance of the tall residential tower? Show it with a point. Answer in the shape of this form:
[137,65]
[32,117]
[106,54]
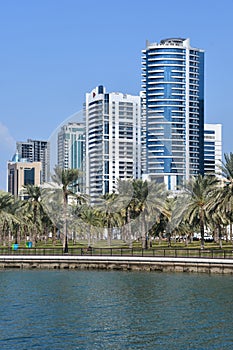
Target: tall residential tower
[36,151]
[212,148]
[71,149]
[70,146]
[172,111]
[112,140]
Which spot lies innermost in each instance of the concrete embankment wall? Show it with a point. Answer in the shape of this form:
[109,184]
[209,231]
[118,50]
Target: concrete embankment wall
[200,265]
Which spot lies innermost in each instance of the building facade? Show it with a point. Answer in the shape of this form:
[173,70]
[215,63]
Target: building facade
[70,146]
[36,151]
[71,149]
[22,173]
[112,140]
[172,111]
[212,148]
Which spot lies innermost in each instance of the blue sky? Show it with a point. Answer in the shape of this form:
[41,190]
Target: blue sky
[54,51]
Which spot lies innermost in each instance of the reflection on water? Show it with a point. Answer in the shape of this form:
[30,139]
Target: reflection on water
[114,310]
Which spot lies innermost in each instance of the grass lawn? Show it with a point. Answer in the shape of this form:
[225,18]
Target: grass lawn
[158,246]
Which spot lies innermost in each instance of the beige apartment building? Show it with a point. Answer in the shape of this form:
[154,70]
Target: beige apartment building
[21,174]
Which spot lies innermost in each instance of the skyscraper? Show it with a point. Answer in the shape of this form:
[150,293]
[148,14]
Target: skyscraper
[71,149]
[70,146]
[112,140]
[212,148]
[172,111]
[36,151]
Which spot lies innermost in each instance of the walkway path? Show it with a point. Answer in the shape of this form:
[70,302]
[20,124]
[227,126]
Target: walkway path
[119,263]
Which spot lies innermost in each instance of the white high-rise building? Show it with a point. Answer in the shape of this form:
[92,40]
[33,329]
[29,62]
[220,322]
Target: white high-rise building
[113,128]
[212,148]
[172,111]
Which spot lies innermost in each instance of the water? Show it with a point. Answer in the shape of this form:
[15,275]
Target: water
[63,309]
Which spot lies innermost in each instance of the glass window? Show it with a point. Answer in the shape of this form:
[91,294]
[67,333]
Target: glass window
[106,128]
[29,176]
[209,132]
[106,167]
[106,147]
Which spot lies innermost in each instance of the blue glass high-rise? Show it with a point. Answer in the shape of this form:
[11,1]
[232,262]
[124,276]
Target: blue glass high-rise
[173,111]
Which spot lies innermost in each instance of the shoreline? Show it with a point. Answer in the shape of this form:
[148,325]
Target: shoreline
[162,264]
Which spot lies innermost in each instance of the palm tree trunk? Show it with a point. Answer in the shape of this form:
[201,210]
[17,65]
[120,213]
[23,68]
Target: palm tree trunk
[4,238]
[220,236]
[54,235]
[231,232]
[160,238]
[34,236]
[169,240]
[9,237]
[123,233]
[65,238]
[143,228]
[4,234]
[202,229]
[109,236]
[93,236]
[89,236]
[1,235]
[109,229]
[129,229]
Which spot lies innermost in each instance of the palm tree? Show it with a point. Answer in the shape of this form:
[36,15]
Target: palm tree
[192,205]
[140,193]
[125,208]
[226,167]
[224,197]
[7,215]
[160,227]
[165,220]
[33,207]
[148,202]
[89,217]
[108,212]
[67,179]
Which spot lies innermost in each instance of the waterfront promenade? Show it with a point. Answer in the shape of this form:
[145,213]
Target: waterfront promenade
[125,263]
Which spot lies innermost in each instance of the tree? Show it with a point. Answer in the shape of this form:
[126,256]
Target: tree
[125,208]
[8,218]
[33,209]
[149,202]
[67,179]
[108,213]
[192,205]
[138,204]
[89,216]
[224,196]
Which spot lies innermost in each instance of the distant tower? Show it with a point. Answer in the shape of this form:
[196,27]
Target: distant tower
[113,135]
[172,111]
[71,149]
[36,151]
[70,145]
[212,148]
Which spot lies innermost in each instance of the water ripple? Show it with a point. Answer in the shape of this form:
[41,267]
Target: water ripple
[114,310]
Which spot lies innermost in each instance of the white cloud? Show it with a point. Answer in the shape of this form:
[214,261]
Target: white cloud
[7,142]
[7,149]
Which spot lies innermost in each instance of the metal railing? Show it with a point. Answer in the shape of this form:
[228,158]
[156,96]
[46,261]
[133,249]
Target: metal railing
[124,251]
